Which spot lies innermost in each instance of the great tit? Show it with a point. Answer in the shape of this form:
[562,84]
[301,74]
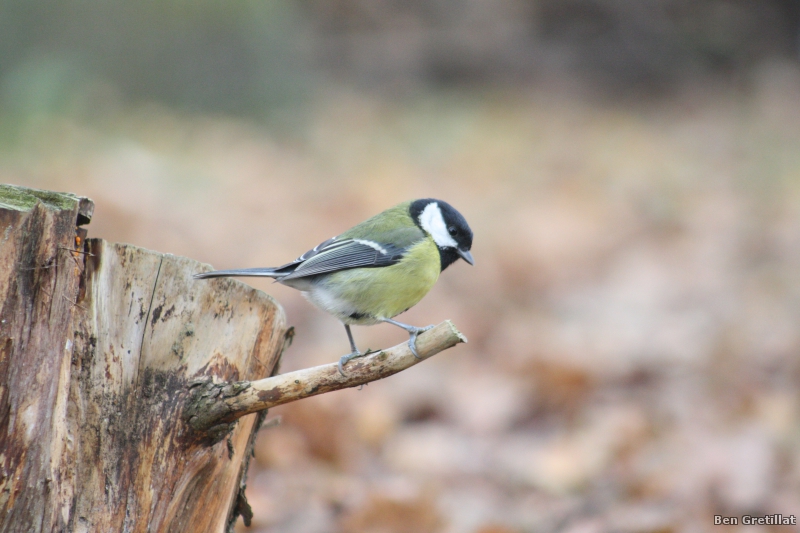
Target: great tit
[377,269]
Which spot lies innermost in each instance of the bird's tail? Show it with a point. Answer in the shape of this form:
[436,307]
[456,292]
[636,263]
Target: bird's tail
[243,272]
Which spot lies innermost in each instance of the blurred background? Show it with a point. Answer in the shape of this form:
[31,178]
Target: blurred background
[631,170]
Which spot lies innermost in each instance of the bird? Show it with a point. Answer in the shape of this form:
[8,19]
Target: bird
[377,269]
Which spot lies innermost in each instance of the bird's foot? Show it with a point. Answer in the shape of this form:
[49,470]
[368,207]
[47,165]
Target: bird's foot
[412,340]
[345,358]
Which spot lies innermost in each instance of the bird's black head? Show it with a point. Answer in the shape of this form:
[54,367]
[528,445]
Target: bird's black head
[449,229]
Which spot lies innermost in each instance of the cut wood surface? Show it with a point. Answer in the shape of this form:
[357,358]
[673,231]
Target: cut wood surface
[97,349]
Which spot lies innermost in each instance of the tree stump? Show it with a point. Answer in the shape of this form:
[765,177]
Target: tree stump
[99,344]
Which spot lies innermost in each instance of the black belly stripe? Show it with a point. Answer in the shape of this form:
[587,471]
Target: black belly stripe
[358,316]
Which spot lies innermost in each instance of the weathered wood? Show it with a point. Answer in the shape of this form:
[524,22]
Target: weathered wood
[97,350]
[39,283]
[216,403]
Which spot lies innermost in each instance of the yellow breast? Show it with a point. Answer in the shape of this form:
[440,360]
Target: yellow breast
[365,295]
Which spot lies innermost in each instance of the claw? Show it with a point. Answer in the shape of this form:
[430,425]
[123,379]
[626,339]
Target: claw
[412,344]
[352,355]
[413,332]
[345,358]
[412,340]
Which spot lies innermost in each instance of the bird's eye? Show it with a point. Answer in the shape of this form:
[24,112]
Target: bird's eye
[452,230]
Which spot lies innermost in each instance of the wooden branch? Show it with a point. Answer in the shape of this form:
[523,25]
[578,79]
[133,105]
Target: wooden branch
[214,406]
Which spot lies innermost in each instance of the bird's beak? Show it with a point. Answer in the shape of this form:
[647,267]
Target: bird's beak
[466,256]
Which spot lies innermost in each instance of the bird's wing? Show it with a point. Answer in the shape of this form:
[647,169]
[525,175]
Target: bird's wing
[333,255]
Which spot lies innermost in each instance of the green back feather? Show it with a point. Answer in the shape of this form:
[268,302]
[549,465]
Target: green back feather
[394,226]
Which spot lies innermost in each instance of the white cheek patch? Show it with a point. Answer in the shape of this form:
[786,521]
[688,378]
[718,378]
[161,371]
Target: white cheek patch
[432,221]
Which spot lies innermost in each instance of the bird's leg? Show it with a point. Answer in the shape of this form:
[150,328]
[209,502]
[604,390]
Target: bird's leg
[413,331]
[352,355]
